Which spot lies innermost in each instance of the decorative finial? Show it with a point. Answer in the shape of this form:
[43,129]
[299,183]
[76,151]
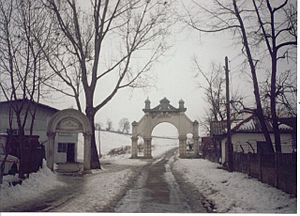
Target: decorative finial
[181,104]
[147,103]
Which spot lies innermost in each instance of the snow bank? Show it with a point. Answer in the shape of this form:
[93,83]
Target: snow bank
[98,192]
[37,183]
[234,192]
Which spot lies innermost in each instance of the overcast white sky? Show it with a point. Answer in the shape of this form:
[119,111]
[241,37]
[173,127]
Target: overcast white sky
[175,78]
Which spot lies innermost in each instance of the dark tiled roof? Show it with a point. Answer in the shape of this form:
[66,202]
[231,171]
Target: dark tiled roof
[32,102]
[251,124]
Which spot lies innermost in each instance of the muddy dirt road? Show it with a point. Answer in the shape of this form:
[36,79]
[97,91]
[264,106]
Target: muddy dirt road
[152,188]
[156,190]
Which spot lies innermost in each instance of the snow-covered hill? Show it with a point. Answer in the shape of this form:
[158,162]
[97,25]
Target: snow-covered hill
[110,140]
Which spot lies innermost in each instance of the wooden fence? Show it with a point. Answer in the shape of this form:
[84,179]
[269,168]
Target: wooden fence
[278,169]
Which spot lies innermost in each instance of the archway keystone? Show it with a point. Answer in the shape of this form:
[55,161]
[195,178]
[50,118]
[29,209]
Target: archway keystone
[164,112]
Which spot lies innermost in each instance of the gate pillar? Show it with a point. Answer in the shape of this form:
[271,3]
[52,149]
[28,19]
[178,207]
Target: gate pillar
[196,138]
[134,147]
[196,146]
[182,146]
[147,149]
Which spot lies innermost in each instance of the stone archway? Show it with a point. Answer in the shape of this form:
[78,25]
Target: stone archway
[164,112]
[69,120]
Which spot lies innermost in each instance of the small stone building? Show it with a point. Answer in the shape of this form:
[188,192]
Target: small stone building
[65,149]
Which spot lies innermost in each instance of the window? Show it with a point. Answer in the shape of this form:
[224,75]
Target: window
[62,147]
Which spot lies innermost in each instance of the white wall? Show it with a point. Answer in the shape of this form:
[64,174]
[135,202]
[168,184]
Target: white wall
[242,139]
[61,157]
[42,118]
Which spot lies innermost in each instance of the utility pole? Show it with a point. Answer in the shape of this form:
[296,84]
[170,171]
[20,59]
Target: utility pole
[229,143]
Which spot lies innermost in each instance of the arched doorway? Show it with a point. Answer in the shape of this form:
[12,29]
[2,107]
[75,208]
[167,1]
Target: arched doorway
[69,120]
[164,112]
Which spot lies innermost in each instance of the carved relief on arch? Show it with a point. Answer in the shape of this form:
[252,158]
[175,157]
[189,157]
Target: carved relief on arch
[69,124]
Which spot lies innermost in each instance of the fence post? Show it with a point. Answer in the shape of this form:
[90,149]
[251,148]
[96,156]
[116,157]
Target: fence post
[276,169]
[260,166]
[248,164]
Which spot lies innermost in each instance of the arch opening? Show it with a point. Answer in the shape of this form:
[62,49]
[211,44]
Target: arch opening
[164,137]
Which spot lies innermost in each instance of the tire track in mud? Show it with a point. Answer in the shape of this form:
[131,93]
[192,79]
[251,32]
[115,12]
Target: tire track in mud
[156,189]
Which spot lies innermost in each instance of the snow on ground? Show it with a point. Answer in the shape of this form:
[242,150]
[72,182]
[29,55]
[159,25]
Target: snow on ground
[234,192]
[108,141]
[42,181]
[100,189]
[161,146]
[231,192]
[98,192]
[113,140]
[103,188]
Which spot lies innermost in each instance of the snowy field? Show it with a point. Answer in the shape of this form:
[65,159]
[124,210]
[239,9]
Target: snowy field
[234,192]
[110,141]
[230,192]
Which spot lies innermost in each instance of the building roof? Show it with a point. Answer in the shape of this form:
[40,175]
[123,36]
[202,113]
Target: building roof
[251,124]
[31,102]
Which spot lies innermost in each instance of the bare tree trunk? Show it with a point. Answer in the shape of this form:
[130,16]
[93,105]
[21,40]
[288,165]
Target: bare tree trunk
[273,106]
[90,113]
[259,110]
[271,39]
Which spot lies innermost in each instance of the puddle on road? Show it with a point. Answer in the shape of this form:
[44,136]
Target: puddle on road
[155,190]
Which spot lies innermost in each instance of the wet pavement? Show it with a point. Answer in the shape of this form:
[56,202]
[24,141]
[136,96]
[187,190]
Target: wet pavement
[155,190]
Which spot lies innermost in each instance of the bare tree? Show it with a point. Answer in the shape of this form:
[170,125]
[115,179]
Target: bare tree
[124,125]
[241,18]
[286,95]
[101,43]
[109,125]
[22,63]
[213,84]
[280,35]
